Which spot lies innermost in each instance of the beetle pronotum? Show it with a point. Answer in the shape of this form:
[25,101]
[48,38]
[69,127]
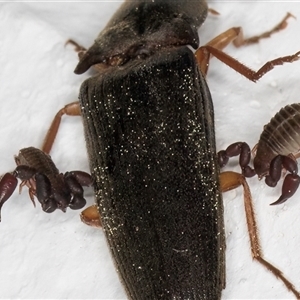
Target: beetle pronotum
[231,97]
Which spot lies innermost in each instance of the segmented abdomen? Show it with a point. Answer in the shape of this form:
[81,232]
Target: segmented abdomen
[37,159]
[282,134]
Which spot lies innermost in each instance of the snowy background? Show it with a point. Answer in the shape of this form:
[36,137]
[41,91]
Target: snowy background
[55,255]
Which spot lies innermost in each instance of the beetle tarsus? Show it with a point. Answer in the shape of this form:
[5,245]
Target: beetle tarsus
[91,216]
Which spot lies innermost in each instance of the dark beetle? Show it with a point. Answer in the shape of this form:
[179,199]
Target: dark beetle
[152,152]
[157,177]
[149,128]
[78,263]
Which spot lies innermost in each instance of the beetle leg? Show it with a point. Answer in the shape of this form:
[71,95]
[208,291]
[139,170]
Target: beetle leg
[213,12]
[71,109]
[235,35]
[231,180]
[8,184]
[206,51]
[90,216]
[255,39]
[78,48]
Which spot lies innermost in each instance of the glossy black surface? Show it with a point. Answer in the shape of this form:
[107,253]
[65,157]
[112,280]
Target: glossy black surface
[150,136]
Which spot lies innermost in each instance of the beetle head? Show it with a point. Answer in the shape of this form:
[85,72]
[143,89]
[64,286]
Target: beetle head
[139,28]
